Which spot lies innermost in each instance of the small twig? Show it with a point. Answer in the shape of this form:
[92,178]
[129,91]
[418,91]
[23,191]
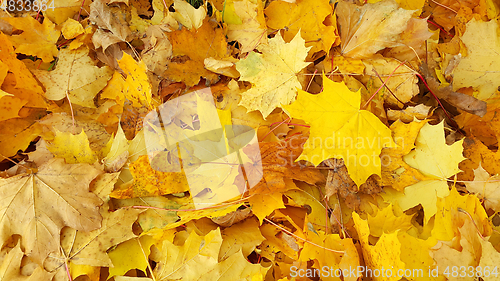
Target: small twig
[192,210]
[305,240]
[72,113]
[439,102]
[66,264]
[387,87]
[438,26]
[474,222]
[80,12]
[446,7]
[147,259]
[26,167]
[270,131]
[310,81]
[383,84]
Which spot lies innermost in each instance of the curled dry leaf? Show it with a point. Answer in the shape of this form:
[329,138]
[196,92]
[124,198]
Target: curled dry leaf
[461,101]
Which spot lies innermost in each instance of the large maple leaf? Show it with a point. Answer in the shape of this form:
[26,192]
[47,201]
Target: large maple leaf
[342,129]
[273,74]
[36,206]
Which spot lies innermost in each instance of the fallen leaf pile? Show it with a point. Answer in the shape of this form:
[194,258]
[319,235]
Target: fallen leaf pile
[249,140]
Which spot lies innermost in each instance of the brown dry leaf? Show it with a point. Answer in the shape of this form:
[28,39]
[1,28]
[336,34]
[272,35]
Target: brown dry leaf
[278,164]
[461,101]
[157,50]
[55,196]
[339,182]
[111,18]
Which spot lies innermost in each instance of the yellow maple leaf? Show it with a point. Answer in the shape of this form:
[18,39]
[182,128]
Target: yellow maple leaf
[333,261]
[415,255]
[339,129]
[385,221]
[9,268]
[426,194]
[384,254]
[77,76]
[310,17]
[71,29]
[395,172]
[37,39]
[452,211]
[477,152]
[406,4]
[480,68]
[130,254]
[264,204]
[150,182]
[273,74]
[90,248]
[245,235]
[434,159]
[432,156]
[73,148]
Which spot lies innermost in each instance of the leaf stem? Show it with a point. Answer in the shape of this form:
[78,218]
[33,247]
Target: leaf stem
[305,240]
[383,84]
